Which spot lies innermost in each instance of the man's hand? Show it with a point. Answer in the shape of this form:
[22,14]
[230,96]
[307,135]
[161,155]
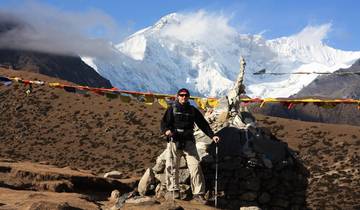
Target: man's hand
[216,139]
[168,133]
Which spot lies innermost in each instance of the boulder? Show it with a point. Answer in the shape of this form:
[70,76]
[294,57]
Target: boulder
[160,163]
[264,198]
[47,205]
[184,176]
[145,182]
[115,194]
[141,200]
[248,196]
[114,175]
[250,208]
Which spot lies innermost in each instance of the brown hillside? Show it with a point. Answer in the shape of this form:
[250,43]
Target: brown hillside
[98,134]
[330,152]
[68,129]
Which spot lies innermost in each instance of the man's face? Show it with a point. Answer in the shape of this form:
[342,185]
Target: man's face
[183,97]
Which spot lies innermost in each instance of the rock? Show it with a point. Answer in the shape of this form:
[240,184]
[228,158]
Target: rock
[146,180]
[141,200]
[201,149]
[185,191]
[250,208]
[161,178]
[244,172]
[267,162]
[278,202]
[264,198]
[115,194]
[298,200]
[184,176]
[120,201]
[222,117]
[113,175]
[49,205]
[161,160]
[271,184]
[170,205]
[296,207]
[248,196]
[160,163]
[56,186]
[114,208]
[160,191]
[183,163]
[252,184]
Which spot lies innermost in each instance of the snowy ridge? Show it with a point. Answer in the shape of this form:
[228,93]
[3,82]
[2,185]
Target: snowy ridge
[202,52]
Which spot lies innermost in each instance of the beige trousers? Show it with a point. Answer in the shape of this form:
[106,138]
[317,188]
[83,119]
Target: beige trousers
[172,167]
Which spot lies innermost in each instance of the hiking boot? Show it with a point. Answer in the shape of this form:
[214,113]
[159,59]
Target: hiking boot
[169,195]
[200,199]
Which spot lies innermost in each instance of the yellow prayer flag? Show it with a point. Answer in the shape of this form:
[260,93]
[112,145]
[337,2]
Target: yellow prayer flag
[212,102]
[201,102]
[163,102]
[54,84]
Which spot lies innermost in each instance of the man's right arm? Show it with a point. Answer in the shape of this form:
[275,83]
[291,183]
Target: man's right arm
[167,121]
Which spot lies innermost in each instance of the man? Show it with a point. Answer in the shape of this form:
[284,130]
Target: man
[178,124]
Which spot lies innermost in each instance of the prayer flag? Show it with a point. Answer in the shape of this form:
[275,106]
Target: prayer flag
[163,102]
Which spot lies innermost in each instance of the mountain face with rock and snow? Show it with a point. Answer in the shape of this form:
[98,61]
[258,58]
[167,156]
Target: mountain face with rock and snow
[202,53]
[343,83]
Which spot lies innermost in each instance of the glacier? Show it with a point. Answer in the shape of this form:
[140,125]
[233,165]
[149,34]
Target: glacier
[186,51]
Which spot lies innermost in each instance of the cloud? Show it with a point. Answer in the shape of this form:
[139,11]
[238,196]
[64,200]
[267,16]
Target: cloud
[314,35]
[211,28]
[40,27]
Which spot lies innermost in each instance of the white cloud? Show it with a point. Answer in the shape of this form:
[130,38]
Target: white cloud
[44,28]
[314,35]
[202,26]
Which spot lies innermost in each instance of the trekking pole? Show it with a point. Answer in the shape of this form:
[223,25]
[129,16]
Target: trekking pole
[246,145]
[172,168]
[216,172]
[247,138]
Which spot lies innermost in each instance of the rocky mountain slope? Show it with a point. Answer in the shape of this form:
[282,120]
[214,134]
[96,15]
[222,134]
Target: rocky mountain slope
[343,83]
[99,135]
[70,68]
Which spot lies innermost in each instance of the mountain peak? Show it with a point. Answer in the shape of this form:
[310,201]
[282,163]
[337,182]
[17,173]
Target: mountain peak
[201,51]
[172,18]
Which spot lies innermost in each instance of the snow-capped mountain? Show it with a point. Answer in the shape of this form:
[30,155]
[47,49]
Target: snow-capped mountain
[202,53]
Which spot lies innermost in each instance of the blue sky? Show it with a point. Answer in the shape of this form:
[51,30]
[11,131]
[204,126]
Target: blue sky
[272,18]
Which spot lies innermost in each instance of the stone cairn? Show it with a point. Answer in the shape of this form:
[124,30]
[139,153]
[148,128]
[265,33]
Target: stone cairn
[254,168]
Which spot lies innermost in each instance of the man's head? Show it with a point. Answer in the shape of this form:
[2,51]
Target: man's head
[183,95]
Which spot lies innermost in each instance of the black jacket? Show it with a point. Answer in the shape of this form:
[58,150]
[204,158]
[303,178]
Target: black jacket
[189,115]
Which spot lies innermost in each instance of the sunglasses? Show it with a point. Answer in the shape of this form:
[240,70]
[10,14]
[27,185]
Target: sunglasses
[183,95]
